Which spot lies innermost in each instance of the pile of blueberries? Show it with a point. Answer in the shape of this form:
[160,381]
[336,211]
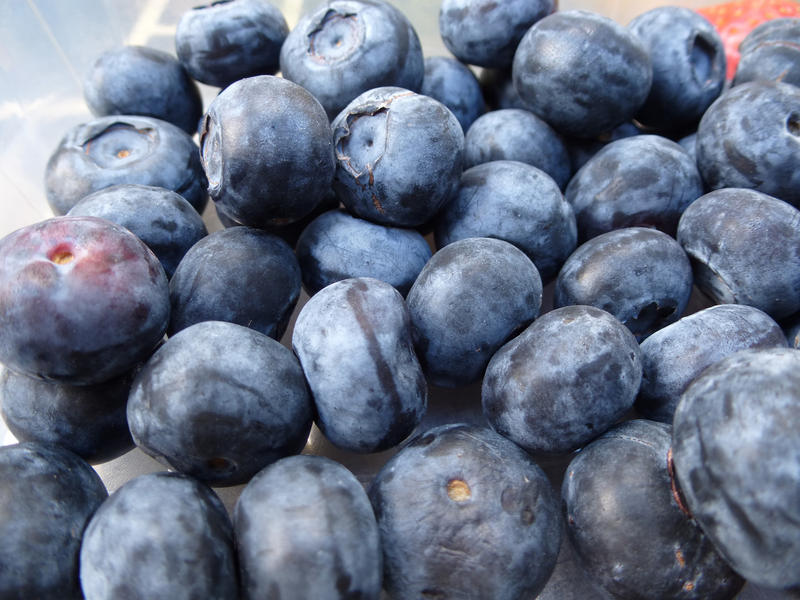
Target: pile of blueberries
[536,230]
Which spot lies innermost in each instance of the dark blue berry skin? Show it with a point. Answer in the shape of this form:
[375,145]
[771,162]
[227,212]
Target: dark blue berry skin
[353,340]
[48,496]
[486,33]
[517,134]
[398,156]
[750,138]
[737,460]
[641,276]
[675,355]
[137,80]
[619,491]
[515,202]
[688,60]
[343,48]
[471,297]
[222,42]
[337,245]
[452,83]
[465,513]
[644,180]
[566,379]
[219,401]
[745,249]
[770,52]
[240,275]
[82,300]
[582,72]
[162,219]
[124,149]
[160,535]
[266,149]
[89,420]
[305,530]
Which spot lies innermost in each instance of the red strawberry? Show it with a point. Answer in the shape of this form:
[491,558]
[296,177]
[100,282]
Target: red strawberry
[734,20]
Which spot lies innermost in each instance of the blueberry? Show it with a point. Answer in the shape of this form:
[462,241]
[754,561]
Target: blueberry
[343,48]
[675,355]
[644,180]
[337,245]
[485,32]
[124,149]
[619,491]
[641,276]
[736,461]
[743,247]
[353,339]
[138,80]
[82,300]
[240,275]
[688,60]
[161,218]
[581,72]
[222,42]
[219,401]
[470,298]
[452,83]
[88,420]
[750,138]
[48,496]
[465,513]
[517,134]
[770,52]
[160,535]
[567,378]
[580,150]
[305,530]
[398,156]
[267,162]
[515,202]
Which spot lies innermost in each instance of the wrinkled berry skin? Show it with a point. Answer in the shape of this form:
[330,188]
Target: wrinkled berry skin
[337,245]
[640,181]
[219,402]
[452,83]
[745,249]
[345,47]
[162,219]
[222,42]
[305,530]
[239,275]
[89,420]
[471,297]
[137,80]
[617,492]
[124,149]
[675,355]
[465,513]
[515,202]
[517,134]
[160,535]
[688,60]
[266,149]
[48,496]
[737,460]
[353,339]
[770,52]
[581,72]
[398,156]
[486,33]
[750,138]
[641,276]
[566,379]
[82,300]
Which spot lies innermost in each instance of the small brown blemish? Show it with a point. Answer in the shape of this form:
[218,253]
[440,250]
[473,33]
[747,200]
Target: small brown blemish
[679,557]
[377,204]
[61,255]
[676,494]
[371,175]
[458,490]
[123,153]
[688,586]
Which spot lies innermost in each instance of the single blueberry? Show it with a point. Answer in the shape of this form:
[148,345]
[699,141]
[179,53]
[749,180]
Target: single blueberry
[770,52]
[452,83]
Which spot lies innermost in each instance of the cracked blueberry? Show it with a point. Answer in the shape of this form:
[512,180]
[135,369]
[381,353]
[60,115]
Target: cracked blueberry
[770,52]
